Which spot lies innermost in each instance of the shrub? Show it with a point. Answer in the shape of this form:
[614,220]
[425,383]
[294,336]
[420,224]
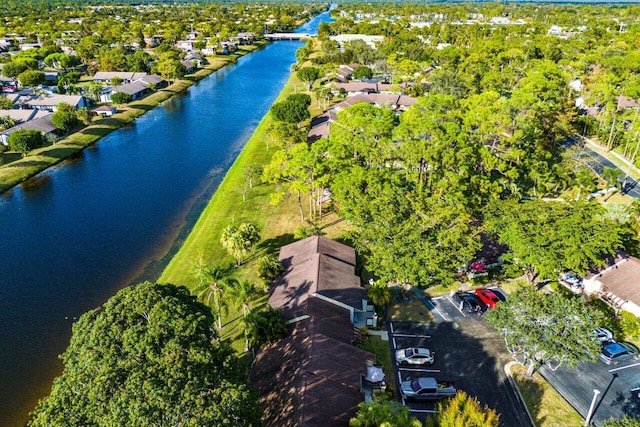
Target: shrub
[630,324]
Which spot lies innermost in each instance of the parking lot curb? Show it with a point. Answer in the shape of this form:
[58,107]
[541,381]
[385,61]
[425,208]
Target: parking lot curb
[514,385]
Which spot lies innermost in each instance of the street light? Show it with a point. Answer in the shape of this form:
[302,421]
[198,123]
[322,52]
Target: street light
[596,392]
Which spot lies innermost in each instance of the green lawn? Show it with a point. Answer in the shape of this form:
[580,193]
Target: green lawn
[547,407]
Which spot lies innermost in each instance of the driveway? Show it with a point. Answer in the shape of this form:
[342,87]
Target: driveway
[468,352]
[619,386]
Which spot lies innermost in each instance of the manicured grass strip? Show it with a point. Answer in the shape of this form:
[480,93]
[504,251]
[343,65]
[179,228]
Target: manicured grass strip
[12,174]
[547,407]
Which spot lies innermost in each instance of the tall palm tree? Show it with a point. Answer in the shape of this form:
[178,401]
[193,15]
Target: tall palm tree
[240,295]
[212,283]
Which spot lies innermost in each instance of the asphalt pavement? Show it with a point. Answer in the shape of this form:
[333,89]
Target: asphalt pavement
[619,387]
[467,352]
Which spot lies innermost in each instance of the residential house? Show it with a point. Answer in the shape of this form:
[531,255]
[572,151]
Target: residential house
[246,38]
[371,41]
[618,284]
[50,102]
[105,110]
[314,376]
[42,124]
[195,58]
[186,45]
[137,85]
[345,72]
[625,103]
[321,268]
[124,76]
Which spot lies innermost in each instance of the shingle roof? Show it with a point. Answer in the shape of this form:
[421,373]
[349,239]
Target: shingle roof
[131,88]
[49,100]
[623,280]
[42,124]
[312,377]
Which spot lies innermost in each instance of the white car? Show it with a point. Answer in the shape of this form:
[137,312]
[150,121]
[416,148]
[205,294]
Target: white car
[415,356]
[603,335]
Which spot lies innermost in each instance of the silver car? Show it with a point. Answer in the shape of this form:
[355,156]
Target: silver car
[415,356]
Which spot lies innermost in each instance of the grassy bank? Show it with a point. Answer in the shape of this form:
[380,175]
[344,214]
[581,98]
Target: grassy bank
[276,222]
[13,173]
[547,406]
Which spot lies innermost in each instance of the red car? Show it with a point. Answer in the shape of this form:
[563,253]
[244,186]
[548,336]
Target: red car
[487,296]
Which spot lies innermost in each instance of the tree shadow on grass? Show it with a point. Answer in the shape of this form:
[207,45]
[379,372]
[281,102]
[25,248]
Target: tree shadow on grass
[273,245]
[533,393]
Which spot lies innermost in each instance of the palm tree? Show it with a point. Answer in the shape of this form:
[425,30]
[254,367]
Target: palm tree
[584,180]
[265,326]
[240,295]
[239,240]
[611,175]
[212,283]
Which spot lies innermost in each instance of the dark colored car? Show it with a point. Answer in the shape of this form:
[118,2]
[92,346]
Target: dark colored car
[469,302]
[488,297]
[615,352]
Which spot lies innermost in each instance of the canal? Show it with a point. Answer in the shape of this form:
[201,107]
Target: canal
[75,234]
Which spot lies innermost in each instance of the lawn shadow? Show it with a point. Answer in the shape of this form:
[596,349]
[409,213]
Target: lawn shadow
[533,392]
[272,246]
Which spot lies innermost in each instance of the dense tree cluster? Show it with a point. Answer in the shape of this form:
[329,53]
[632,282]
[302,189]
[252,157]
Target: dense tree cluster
[149,356]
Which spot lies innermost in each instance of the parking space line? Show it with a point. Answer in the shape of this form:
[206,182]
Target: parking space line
[411,336]
[624,367]
[445,318]
[419,370]
[456,306]
[394,343]
[391,326]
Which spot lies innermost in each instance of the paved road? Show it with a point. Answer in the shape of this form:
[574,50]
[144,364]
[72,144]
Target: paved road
[597,162]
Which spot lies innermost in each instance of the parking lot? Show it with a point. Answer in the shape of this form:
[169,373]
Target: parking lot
[467,352]
[619,386]
[471,354]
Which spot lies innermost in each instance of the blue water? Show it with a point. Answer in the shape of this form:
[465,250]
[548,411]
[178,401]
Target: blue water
[75,234]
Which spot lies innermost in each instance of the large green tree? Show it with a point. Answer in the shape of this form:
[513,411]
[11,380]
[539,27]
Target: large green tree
[548,237]
[546,329]
[308,75]
[65,117]
[382,412]
[25,140]
[148,357]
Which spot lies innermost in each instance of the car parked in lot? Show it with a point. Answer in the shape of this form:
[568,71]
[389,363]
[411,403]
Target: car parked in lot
[603,335]
[415,356]
[427,389]
[615,352]
[469,302]
[488,297]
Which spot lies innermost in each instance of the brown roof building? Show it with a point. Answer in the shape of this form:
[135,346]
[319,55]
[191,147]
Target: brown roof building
[313,377]
[618,284]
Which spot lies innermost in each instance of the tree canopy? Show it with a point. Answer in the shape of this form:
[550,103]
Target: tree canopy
[546,237]
[463,410]
[549,329]
[149,356]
